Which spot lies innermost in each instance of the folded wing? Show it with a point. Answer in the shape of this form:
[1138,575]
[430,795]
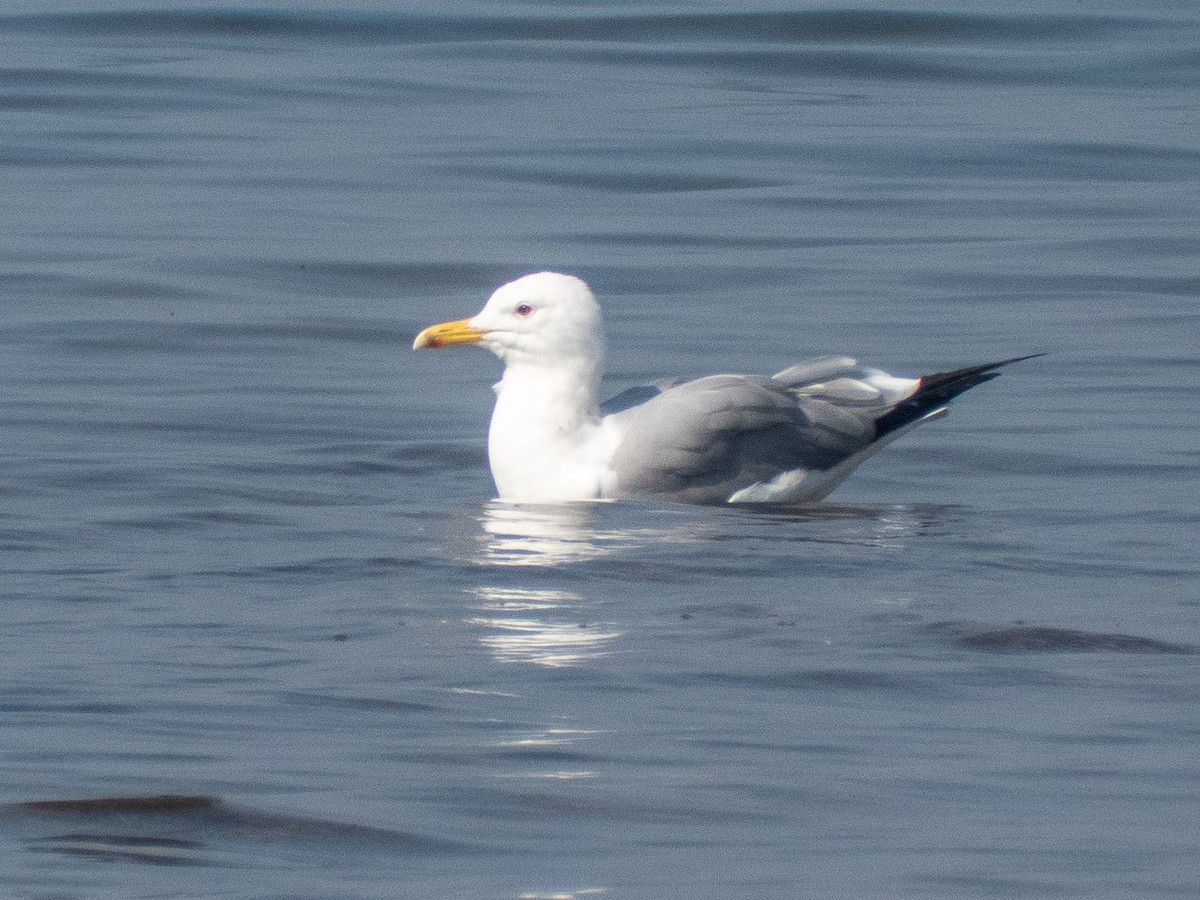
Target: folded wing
[791,437]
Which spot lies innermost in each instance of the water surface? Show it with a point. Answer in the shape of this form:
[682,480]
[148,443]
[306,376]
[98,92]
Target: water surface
[267,633]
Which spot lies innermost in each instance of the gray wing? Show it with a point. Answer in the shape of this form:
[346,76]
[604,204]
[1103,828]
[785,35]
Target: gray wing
[706,439]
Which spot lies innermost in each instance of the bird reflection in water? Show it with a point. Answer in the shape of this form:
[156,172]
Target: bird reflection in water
[535,625]
[551,627]
[534,534]
[543,627]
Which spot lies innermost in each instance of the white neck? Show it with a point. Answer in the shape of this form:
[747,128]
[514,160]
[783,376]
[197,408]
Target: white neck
[544,440]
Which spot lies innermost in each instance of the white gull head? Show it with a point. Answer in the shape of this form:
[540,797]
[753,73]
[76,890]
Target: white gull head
[546,441]
[544,320]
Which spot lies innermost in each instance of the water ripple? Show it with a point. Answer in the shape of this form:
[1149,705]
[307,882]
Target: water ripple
[809,26]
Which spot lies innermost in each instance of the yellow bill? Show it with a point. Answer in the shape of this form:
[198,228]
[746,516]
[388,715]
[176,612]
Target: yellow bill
[447,333]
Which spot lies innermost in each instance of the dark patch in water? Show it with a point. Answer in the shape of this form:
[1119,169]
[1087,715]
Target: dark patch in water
[107,806]
[365,704]
[1021,638]
[194,822]
[157,851]
[853,680]
[788,27]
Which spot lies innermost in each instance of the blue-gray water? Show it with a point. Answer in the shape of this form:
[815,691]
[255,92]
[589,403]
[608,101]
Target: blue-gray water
[248,553]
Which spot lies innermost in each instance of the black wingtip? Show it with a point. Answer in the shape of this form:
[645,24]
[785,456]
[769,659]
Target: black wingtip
[956,381]
[940,388]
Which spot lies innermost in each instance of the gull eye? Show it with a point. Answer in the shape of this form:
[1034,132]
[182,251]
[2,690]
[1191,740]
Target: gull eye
[524,310]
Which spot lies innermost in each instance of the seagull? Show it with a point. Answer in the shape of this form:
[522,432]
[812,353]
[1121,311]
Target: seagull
[788,438]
